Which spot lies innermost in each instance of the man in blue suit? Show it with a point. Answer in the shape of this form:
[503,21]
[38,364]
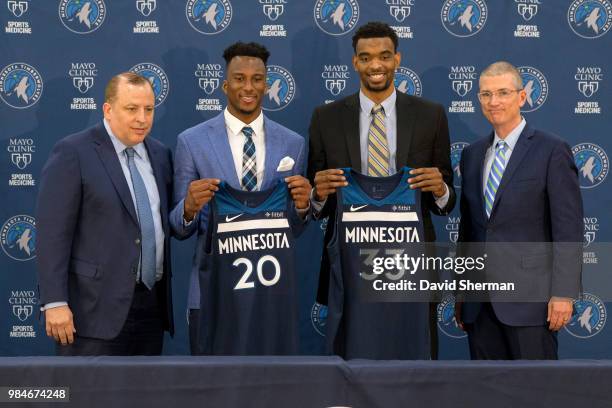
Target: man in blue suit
[520,195]
[103,232]
[239,146]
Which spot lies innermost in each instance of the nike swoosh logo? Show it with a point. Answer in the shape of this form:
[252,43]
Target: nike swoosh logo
[230,219]
[358,208]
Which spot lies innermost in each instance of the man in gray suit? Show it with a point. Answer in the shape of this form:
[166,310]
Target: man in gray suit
[239,146]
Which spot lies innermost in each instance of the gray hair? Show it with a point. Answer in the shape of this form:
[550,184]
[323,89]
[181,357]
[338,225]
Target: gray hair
[501,68]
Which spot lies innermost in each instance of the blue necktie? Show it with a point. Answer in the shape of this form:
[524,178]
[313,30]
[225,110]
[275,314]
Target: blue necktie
[495,175]
[147,229]
[249,162]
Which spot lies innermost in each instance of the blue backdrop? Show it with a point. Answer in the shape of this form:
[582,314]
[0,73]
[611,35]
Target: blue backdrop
[56,57]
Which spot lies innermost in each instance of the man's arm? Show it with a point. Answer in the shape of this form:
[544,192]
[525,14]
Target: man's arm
[57,215]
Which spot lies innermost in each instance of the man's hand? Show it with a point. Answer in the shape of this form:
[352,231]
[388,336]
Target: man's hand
[59,324]
[559,312]
[200,192]
[458,319]
[300,191]
[428,179]
[326,183]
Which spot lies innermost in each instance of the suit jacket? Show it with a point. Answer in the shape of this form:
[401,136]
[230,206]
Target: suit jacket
[203,151]
[88,245]
[422,141]
[538,202]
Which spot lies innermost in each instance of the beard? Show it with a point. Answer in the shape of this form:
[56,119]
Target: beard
[378,88]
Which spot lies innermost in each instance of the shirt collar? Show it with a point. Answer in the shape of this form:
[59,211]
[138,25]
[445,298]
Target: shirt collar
[235,125]
[513,136]
[119,146]
[367,104]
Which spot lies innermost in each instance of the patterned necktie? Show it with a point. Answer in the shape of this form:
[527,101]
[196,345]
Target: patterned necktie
[145,218]
[495,175]
[249,162]
[378,149]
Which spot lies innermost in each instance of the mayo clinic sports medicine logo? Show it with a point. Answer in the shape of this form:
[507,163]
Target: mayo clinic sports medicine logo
[452,226]
[18,8]
[209,16]
[592,163]
[82,16]
[400,10]
[146,7]
[591,228]
[21,152]
[446,318]
[22,304]
[18,237]
[157,77]
[318,318]
[590,18]
[456,151]
[83,75]
[20,85]
[589,317]
[281,88]
[462,78]
[209,77]
[527,9]
[464,18]
[273,9]
[408,82]
[535,86]
[336,17]
[334,78]
[588,80]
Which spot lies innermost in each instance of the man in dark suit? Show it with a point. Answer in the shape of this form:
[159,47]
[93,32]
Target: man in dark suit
[415,135]
[104,242]
[520,195]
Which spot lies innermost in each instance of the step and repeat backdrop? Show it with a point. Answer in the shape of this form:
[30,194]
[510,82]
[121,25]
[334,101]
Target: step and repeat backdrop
[56,57]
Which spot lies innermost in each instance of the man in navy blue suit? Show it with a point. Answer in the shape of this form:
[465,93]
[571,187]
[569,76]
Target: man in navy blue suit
[240,146]
[103,232]
[520,195]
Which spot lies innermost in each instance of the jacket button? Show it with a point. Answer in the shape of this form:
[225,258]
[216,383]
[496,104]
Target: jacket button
[137,241]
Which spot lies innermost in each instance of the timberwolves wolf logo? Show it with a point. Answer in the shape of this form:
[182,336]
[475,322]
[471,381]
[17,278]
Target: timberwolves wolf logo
[589,317]
[456,150]
[82,16]
[464,18]
[20,85]
[536,88]
[590,18]
[318,318]
[408,82]
[18,237]
[592,163]
[336,17]
[157,77]
[18,8]
[446,318]
[527,8]
[281,88]
[209,16]
[146,7]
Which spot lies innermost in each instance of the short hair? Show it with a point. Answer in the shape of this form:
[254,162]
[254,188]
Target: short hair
[110,92]
[240,49]
[375,29]
[501,68]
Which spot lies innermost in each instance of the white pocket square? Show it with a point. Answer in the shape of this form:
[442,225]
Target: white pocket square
[285,164]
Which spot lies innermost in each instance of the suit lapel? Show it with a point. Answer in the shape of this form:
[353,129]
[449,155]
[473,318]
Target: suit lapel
[405,129]
[518,154]
[350,121]
[275,146]
[110,161]
[158,173]
[222,151]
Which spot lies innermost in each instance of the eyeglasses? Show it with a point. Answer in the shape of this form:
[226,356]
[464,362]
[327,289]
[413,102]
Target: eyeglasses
[503,94]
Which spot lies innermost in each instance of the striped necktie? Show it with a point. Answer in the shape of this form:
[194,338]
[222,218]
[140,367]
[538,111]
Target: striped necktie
[495,175]
[249,162]
[378,149]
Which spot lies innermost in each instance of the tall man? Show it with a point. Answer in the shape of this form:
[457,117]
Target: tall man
[415,134]
[520,185]
[239,146]
[103,233]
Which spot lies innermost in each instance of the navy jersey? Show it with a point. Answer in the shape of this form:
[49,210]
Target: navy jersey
[249,302]
[376,217]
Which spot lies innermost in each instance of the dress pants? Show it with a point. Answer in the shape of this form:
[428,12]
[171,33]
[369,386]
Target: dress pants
[142,333]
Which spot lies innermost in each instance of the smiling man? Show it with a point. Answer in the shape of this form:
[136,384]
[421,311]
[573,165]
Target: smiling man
[239,146]
[103,232]
[410,132]
[520,185]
